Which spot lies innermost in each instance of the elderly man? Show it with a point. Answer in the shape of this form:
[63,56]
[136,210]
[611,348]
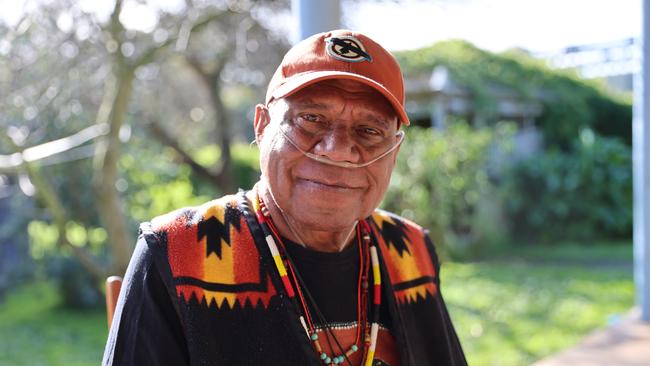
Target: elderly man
[303,269]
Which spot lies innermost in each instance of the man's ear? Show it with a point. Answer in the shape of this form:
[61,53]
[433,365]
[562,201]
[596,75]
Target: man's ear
[262,119]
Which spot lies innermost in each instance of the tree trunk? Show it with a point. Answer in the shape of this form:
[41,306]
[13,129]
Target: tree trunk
[113,111]
[212,81]
[222,125]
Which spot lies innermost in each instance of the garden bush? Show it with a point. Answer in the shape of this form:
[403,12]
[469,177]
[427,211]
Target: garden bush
[582,194]
[441,181]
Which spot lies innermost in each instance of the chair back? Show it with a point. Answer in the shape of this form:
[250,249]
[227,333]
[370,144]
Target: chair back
[113,286]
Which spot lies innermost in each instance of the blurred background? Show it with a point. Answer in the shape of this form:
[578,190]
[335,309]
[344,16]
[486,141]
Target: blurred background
[519,159]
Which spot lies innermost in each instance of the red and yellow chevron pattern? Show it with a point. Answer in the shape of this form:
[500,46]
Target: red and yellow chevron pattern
[407,258]
[213,256]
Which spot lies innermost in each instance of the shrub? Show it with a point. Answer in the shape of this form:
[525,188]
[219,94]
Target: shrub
[441,182]
[75,285]
[582,194]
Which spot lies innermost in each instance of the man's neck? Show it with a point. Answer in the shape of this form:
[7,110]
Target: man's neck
[292,229]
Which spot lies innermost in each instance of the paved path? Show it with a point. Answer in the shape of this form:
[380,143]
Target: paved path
[626,343]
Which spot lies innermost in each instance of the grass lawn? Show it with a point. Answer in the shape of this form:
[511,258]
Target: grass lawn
[533,302]
[35,331]
[507,311]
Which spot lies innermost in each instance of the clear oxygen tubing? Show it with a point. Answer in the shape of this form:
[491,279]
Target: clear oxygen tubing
[342,164]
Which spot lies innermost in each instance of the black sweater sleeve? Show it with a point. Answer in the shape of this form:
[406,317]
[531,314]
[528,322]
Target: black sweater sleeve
[146,328]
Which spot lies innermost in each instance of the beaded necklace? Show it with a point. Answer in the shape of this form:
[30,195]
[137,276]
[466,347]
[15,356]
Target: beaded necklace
[293,284]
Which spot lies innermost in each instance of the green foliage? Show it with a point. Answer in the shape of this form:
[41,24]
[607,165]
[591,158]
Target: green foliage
[76,287]
[158,183]
[569,103]
[584,194]
[74,283]
[245,162]
[43,238]
[441,181]
[605,253]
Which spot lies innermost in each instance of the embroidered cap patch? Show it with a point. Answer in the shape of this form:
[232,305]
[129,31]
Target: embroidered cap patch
[347,48]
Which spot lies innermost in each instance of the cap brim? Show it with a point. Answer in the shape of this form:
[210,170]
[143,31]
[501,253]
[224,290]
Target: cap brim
[301,81]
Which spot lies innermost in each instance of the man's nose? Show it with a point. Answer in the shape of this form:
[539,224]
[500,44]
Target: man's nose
[338,145]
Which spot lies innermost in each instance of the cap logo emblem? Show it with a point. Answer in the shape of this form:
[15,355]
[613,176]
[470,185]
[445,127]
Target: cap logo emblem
[347,48]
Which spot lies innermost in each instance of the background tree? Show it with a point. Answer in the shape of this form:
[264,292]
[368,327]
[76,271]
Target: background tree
[68,70]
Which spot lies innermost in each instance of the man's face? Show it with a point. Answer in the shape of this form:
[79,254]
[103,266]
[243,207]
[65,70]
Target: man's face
[321,196]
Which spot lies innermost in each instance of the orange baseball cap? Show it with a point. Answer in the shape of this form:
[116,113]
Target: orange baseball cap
[340,54]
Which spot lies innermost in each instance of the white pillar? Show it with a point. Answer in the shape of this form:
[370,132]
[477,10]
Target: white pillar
[439,83]
[438,113]
[315,16]
[641,163]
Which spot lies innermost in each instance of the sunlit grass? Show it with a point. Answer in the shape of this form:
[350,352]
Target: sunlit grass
[513,313]
[35,331]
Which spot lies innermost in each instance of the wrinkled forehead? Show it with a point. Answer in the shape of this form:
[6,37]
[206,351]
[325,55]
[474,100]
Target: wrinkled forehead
[328,93]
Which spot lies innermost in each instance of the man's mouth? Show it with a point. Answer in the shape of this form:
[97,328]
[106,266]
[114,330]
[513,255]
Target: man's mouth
[329,184]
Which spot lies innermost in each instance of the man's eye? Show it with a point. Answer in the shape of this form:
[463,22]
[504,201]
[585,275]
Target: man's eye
[310,117]
[371,132]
